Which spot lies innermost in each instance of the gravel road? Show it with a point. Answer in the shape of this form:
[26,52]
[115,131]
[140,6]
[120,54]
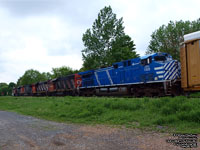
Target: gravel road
[18,132]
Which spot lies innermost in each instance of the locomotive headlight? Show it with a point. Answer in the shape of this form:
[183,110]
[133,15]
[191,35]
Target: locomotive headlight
[156,78]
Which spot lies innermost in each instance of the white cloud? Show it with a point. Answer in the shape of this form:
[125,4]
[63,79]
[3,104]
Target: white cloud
[143,17]
[42,34]
[36,42]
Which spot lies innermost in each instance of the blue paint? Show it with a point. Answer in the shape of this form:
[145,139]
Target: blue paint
[139,70]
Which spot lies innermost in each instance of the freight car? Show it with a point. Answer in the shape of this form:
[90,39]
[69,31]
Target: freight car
[151,75]
[190,62]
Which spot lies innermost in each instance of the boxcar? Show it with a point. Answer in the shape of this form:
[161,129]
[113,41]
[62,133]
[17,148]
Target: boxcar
[190,60]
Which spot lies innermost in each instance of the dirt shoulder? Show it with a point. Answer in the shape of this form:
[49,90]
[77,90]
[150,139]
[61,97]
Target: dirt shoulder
[25,132]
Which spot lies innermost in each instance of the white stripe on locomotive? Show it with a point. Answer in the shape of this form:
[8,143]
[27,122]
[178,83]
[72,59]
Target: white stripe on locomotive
[97,78]
[111,82]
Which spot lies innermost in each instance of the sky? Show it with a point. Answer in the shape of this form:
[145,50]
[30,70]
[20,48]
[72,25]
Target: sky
[44,34]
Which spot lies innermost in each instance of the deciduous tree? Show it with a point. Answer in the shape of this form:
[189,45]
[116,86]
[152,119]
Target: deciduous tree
[106,42]
[4,89]
[167,38]
[62,71]
[31,76]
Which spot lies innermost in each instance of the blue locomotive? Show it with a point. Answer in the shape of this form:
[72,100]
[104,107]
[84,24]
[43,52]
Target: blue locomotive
[151,75]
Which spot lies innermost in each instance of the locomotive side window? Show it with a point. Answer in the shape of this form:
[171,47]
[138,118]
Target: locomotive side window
[146,61]
[159,58]
[124,63]
[129,63]
[115,66]
[86,76]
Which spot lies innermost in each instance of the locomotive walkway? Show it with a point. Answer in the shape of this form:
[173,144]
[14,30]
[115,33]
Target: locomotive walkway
[24,132]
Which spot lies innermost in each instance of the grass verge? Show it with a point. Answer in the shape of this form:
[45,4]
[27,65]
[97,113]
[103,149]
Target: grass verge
[178,114]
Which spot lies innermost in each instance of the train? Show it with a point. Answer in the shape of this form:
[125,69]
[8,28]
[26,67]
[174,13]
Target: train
[156,74]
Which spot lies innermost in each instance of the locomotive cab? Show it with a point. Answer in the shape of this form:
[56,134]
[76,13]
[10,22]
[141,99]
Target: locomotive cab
[162,57]
[164,67]
[159,58]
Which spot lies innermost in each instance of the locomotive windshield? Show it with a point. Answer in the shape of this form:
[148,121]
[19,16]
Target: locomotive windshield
[160,58]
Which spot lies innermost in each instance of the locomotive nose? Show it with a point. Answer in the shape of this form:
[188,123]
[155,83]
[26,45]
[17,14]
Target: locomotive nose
[172,70]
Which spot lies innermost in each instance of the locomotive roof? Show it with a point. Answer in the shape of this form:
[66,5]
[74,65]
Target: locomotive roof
[137,60]
[154,54]
[86,72]
[120,64]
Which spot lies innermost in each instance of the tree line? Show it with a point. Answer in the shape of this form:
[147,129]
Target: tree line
[33,76]
[106,42]
[6,89]
[167,38]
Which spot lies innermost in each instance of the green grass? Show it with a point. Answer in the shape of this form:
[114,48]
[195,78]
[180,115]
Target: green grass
[194,95]
[178,114]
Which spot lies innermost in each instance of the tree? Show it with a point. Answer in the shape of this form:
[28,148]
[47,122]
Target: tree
[47,75]
[168,38]
[121,50]
[62,71]
[11,85]
[3,89]
[31,76]
[106,42]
